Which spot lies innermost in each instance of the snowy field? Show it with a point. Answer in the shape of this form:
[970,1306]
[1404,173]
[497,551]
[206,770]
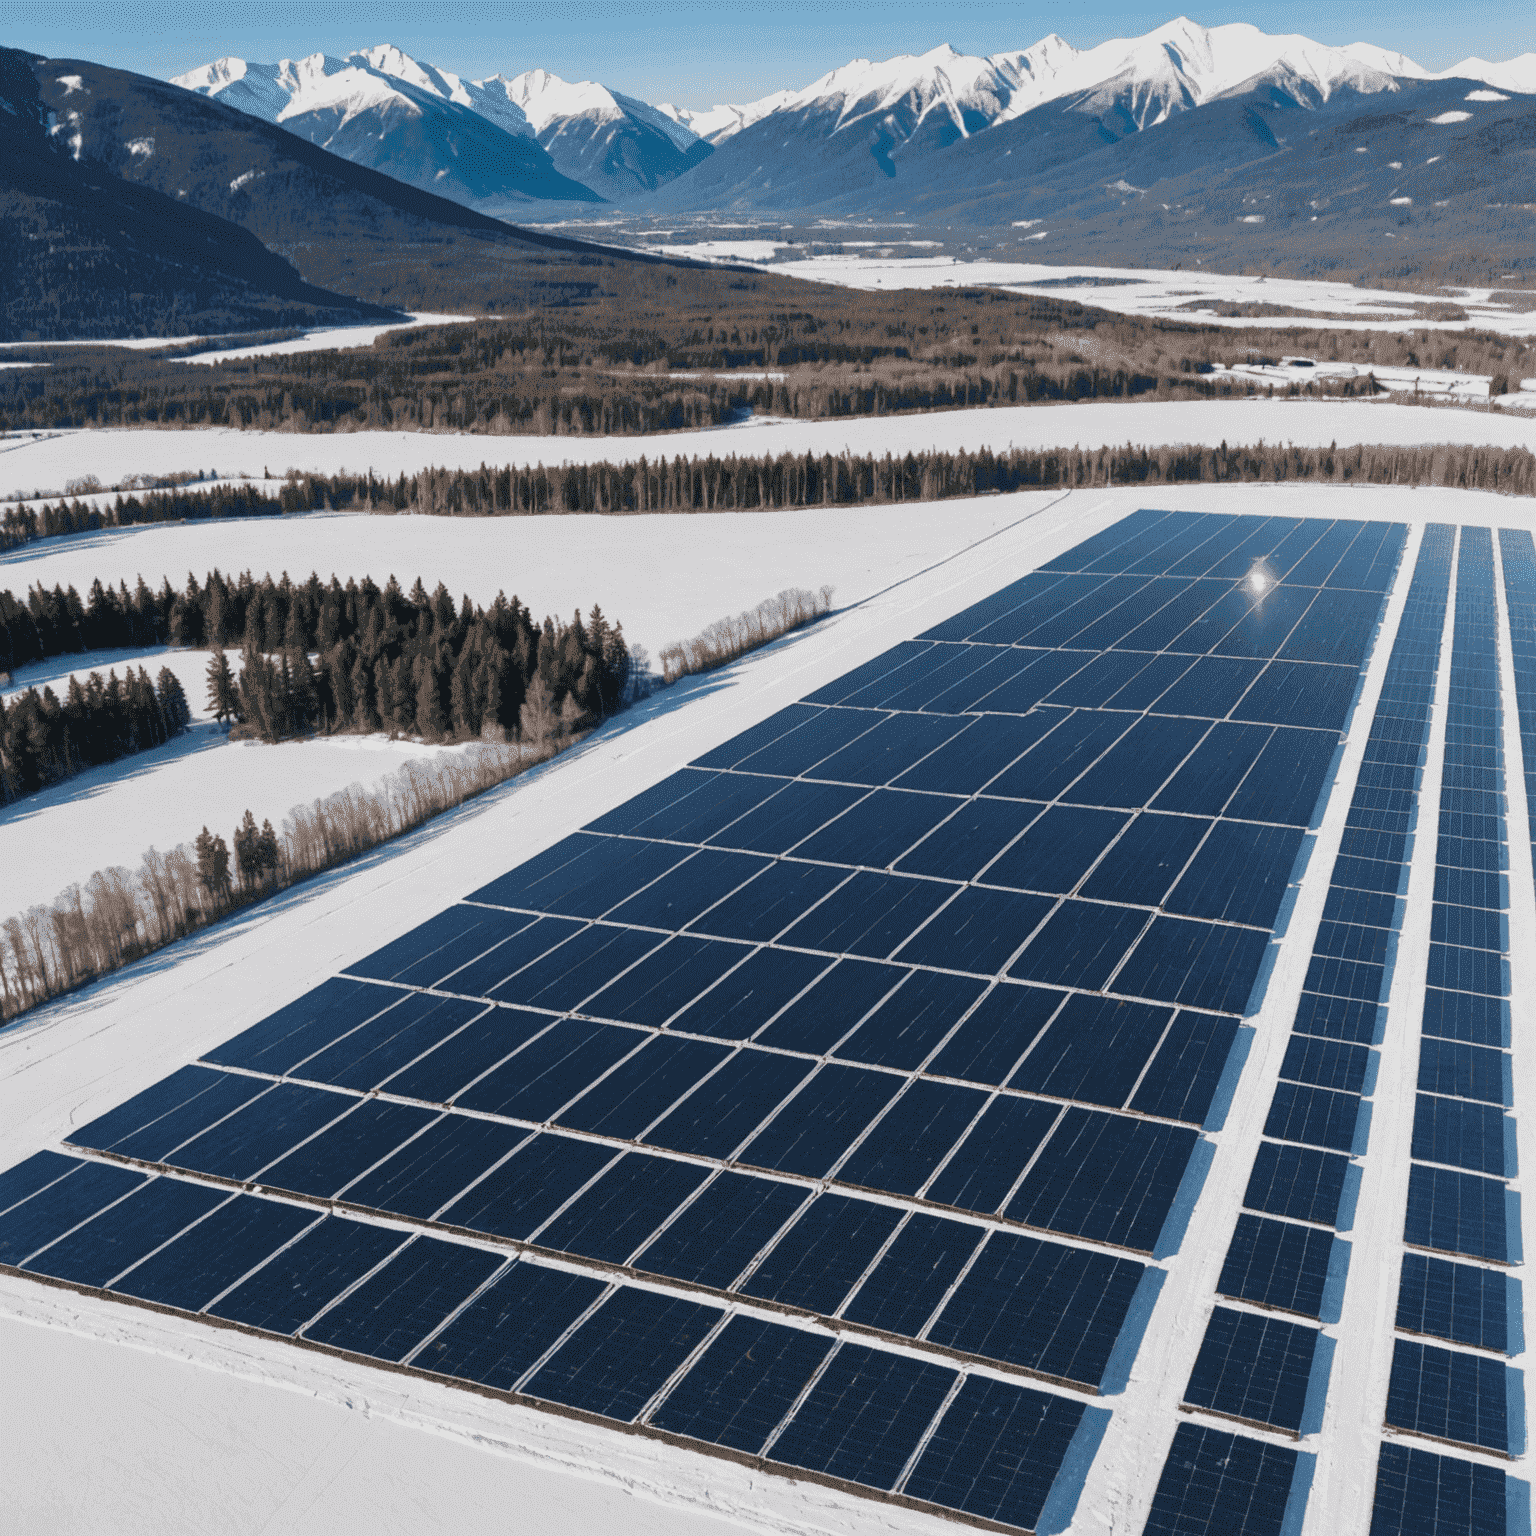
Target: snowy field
[40,464]
[1177,294]
[663,578]
[191,1429]
[331,338]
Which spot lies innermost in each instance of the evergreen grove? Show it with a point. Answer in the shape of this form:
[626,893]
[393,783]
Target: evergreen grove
[44,739]
[315,658]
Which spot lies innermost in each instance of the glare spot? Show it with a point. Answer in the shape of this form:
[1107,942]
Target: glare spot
[1260,579]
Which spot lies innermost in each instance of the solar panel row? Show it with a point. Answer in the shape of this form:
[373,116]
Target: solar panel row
[966,933]
[1259,1368]
[802,1398]
[982,1291]
[1460,1130]
[1456,1133]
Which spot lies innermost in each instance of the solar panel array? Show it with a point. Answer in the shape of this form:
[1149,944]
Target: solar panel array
[1284,1256]
[1463,1139]
[828,1102]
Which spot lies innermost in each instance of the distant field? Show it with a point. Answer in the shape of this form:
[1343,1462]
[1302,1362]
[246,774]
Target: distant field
[37,465]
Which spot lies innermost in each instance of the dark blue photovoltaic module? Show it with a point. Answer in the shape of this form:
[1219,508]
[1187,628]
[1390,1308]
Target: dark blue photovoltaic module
[865,1416]
[1419,1493]
[744,1384]
[1219,1483]
[996,1451]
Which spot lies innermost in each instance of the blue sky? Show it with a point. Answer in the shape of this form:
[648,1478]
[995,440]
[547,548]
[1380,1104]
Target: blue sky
[696,53]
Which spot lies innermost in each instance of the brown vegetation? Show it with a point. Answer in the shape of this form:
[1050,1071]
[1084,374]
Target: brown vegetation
[726,639]
[120,915]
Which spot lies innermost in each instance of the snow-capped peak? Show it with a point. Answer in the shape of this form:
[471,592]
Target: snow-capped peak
[1518,75]
[721,121]
[1178,65]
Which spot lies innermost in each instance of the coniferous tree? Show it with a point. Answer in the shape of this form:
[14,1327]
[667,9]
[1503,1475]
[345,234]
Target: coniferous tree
[173,702]
[213,865]
[223,699]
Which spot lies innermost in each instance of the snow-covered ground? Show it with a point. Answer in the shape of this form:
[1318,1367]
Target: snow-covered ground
[663,578]
[40,464]
[328,338]
[1435,383]
[1181,294]
[187,1428]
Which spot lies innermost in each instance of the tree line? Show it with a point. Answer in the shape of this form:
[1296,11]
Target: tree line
[44,739]
[119,915]
[771,483]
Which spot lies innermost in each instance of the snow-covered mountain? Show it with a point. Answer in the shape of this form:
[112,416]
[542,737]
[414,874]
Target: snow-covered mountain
[1176,66]
[871,134]
[1517,74]
[382,108]
[615,144]
[883,136]
[717,123]
[420,125]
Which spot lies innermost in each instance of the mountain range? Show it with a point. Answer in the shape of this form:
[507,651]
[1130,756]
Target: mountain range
[873,132]
[130,207]
[244,195]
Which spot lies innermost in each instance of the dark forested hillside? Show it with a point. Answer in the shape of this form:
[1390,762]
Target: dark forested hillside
[82,251]
[341,225]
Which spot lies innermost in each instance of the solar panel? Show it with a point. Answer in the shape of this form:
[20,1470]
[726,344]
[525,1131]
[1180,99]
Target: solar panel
[296,1282]
[1216,1484]
[506,1330]
[1254,1368]
[1449,1395]
[58,1207]
[623,1208]
[122,1234]
[208,1258]
[622,1355]
[866,1414]
[1460,1302]
[718,1234]
[748,1379]
[391,1312]
[517,1197]
[155,1122]
[1041,1305]
[1277,1264]
[996,1452]
[818,1260]
[1419,1493]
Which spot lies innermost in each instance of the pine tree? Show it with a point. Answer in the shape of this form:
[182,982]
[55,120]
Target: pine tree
[173,702]
[223,700]
[431,724]
[247,852]
[212,864]
[267,850]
